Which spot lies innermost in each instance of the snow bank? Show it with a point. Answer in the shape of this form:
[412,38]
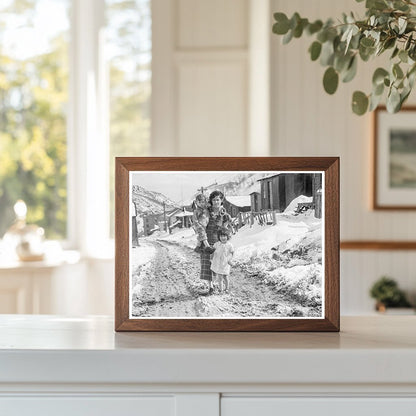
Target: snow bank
[182,236]
[287,256]
[141,258]
[291,208]
[302,282]
[142,255]
[253,241]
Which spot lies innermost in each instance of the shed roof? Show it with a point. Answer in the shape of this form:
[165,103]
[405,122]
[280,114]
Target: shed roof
[184,214]
[268,177]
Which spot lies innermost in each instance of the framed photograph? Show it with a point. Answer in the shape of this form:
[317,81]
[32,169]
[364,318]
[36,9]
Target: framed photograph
[227,244]
[395,159]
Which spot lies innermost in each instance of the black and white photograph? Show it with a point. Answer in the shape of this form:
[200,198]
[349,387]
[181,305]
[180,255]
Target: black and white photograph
[226,244]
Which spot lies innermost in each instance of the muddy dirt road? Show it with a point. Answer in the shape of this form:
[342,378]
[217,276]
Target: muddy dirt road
[169,286]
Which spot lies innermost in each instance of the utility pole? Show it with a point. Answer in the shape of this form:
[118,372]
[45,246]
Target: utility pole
[202,189]
[134,231]
[164,216]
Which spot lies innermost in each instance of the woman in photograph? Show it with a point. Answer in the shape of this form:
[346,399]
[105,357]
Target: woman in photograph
[218,218]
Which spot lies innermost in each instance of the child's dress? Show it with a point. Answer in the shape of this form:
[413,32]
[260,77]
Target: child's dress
[220,259]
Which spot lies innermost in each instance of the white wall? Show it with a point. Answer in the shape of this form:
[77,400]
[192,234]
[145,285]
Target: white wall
[201,82]
[308,122]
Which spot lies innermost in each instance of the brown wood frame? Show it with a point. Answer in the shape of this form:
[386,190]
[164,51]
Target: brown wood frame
[376,205]
[330,165]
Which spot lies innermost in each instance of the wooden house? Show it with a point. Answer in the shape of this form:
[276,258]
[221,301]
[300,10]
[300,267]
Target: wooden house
[277,191]
[180,217]
[255,201]
[183,218]
[236,204]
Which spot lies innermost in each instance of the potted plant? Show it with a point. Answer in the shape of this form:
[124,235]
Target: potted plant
[387,294]
[389,27]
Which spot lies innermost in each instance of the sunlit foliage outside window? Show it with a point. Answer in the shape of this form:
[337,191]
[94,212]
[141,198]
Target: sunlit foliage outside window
[33,102]
[34,86]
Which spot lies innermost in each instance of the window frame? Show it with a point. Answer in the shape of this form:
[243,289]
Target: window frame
[87,133]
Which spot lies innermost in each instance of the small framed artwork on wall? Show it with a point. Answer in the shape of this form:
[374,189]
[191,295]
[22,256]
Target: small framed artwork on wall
[227,244]
[394,159]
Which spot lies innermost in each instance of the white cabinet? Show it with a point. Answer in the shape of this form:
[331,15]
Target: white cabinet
[271,406]
[67,286]
[88,406]
[80,366]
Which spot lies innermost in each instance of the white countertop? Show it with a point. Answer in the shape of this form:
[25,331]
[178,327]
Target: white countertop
[46,349]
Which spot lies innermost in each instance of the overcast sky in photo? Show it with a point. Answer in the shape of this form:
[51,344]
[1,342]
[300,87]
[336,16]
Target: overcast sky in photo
[179,186]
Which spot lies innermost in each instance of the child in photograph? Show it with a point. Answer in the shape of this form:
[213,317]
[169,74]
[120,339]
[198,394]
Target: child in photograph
[200,218]
[221,259]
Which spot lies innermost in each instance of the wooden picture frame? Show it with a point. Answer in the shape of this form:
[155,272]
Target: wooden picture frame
[305,172]
[394,158]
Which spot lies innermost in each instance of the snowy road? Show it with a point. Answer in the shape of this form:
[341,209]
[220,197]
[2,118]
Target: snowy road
[169,286]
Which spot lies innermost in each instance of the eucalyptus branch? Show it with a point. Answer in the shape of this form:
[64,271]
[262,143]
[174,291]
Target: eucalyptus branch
[389,25]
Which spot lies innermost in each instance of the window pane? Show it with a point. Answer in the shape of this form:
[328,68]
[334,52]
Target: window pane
[33,100]
[129,45]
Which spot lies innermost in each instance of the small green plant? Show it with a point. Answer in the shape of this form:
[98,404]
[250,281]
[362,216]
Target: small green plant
[387,293]
[389,26]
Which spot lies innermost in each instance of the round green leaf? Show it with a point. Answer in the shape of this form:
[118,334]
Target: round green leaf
[395,52]
[378,90]
[281,27]
[322,36]
[374,102]
[397,71]
[351,71]
[314,27]
[288,37]
[367,42]
[379,75]
[393,101]
[376,4]
[366,53]
[403,96]
[298,30]
[400,5]
[359,103]
[341,61]
[327,54]
[330,80]
[389,43]
[315,50]
[403,56]
[294,20]
[408,42]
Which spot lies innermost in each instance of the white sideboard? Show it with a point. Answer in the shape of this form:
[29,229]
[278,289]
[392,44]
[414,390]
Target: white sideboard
[63,285]
[80,366]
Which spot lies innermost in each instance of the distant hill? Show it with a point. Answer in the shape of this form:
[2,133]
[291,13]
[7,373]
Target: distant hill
[150,202]
[240,184]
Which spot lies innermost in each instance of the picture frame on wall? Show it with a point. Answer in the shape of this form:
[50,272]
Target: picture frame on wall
[227,244]
[394,159]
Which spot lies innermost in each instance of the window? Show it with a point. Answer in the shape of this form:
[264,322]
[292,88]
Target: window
[33,98]
[75,86]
